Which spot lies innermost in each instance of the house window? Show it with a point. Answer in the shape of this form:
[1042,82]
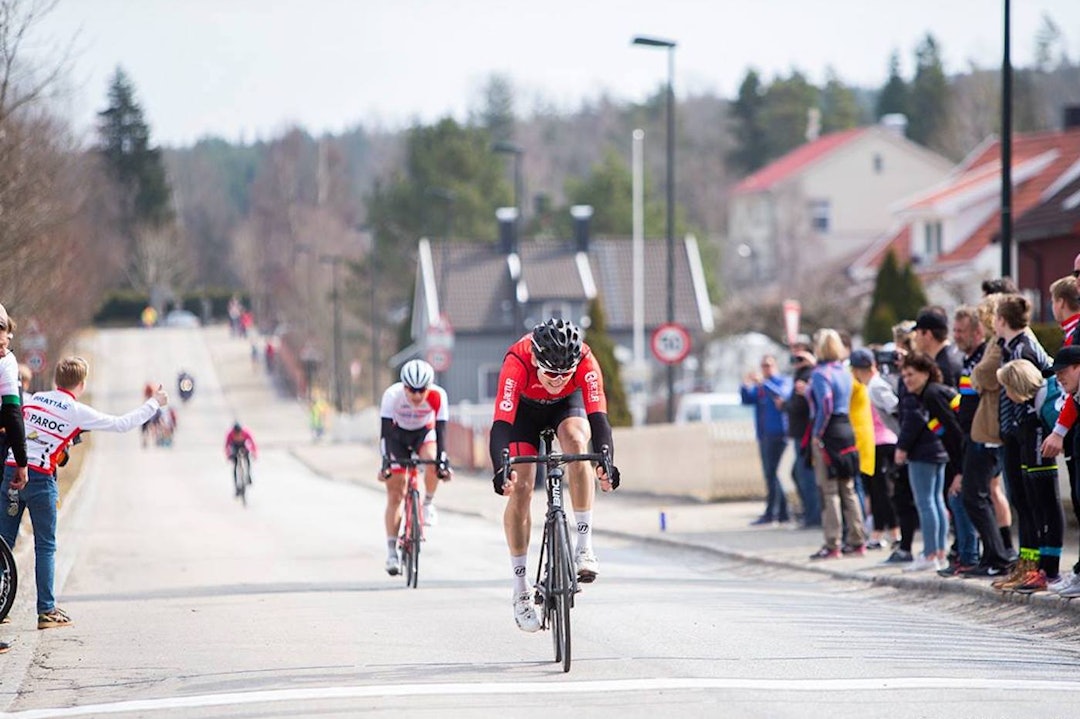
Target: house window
[489,380]
[879,163]
[932,239]
[556,310]
[819,215]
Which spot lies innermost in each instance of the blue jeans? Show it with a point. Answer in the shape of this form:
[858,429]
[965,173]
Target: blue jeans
[967,539]
[928,485]
[40,496]
[772,449]
[802,474]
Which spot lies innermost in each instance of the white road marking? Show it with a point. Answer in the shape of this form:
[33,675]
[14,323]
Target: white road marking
[571,687]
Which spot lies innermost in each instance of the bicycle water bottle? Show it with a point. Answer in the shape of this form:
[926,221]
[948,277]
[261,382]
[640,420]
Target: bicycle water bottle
[13,502]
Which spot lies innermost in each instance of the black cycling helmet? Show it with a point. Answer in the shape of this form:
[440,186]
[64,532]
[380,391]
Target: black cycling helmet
[557,345]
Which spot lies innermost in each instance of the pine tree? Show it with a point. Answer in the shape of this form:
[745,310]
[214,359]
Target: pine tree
[894,95]
[929,95]
[136,166]
[751,151]
[603,348]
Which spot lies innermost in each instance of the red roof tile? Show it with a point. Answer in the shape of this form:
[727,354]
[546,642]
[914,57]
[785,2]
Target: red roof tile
[1026,194]
[795,161]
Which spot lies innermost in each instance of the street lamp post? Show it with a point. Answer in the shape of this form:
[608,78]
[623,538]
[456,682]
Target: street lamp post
[1006,154]
[669,45]
[509,148]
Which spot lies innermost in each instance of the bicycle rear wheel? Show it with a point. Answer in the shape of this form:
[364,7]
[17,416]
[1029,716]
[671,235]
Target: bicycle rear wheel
[412,538]
[240,478]
[561,591]
[9,579]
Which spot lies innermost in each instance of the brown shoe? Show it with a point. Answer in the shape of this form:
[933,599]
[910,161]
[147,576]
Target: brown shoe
[1030,577]
[1021,568]
[53,619]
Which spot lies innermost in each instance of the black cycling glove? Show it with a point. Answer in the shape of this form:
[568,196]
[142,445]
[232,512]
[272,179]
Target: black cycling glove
[442,469]
[384,471]
[498,481]
[614,477]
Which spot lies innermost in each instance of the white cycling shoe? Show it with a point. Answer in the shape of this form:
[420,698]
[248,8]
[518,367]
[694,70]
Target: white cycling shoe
[431,515]
[525,612]
[587,566]
[393,566]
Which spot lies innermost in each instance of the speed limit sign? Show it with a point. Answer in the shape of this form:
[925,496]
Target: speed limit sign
[670,343]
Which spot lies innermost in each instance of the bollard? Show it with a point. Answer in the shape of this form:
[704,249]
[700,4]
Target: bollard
[663,521]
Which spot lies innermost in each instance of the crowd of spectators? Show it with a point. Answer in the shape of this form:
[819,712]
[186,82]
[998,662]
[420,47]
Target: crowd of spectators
[953,429]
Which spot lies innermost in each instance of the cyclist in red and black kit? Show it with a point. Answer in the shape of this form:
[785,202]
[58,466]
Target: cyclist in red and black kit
[549,378]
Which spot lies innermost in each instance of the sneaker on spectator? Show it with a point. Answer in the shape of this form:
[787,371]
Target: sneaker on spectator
[1061,582]
[1037,581]
[986,571]
[875,544]
[763,521]
[955,569]
[1072,591]
[525,613]
[826,553]
[899,556]
[1028,577]
[922,563]
[1014,577]
[853,550]
[56,617]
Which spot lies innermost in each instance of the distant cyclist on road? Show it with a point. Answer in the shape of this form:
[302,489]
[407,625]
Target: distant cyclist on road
[414,414]
[238,439]
[549,378]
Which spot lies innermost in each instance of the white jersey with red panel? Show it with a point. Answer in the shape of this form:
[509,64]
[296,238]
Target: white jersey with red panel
[406,415]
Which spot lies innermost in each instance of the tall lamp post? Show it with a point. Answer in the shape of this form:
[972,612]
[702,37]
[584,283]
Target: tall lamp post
[509,148]
[669,45]
[1006,155]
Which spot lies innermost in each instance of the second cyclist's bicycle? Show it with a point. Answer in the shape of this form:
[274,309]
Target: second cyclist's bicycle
[556,579]
[412,526]
[242,473]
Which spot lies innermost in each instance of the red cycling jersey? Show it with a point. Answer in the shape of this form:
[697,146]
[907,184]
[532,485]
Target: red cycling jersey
[518,380]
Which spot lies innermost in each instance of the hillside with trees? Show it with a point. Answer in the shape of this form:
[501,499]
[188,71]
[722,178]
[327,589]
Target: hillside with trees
[276,218]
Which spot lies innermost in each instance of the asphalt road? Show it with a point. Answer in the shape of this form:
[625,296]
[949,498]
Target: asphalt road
[186,604]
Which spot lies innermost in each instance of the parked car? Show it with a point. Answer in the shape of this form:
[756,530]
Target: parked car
[181,318]
[711,407]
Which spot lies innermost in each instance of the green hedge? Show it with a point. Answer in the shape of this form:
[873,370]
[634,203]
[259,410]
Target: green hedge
[124,307]
[1050,336]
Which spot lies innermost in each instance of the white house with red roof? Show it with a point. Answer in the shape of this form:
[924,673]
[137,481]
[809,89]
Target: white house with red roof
[824,202]
[951,229]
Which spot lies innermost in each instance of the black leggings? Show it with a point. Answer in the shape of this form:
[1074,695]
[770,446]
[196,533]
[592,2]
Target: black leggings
[1019,492]
[981,464]
[907,515]
[881,487]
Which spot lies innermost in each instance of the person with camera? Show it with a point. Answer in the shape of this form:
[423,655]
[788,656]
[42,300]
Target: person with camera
[797,410]
[766,391]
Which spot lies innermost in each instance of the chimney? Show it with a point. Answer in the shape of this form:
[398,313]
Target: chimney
[813,124]
[895,122]
[1071,117]
[581,214]
[507,217]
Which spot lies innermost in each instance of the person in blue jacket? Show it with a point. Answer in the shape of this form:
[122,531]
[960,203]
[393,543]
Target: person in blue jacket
[767,390]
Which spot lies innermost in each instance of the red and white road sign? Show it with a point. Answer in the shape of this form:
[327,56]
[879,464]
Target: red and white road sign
[670,343]
[439,358]
[35,360]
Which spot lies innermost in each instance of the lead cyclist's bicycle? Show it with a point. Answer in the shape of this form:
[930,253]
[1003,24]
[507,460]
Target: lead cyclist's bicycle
[556,580]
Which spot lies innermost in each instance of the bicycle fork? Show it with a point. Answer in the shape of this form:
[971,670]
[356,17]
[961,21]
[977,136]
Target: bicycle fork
[542,594]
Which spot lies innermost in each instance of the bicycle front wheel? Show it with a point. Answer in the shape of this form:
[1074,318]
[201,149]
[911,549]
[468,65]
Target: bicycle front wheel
[412,538]
[561,591]
[240,478]
[9,579]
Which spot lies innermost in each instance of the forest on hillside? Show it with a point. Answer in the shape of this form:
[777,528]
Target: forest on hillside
[283,219]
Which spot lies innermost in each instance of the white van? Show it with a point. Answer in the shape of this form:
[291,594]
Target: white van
[712,407]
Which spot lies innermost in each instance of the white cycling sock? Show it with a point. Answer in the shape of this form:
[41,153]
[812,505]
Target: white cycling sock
[584,529]
[391,546]
[428,498]
[518,563]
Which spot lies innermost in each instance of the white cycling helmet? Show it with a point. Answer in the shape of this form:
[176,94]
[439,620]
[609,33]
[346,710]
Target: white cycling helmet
[417,374]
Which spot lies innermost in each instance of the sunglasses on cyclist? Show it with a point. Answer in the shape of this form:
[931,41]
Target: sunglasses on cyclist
[415,390]
[552,374]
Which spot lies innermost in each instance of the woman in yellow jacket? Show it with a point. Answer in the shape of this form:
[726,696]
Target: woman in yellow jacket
[862,422]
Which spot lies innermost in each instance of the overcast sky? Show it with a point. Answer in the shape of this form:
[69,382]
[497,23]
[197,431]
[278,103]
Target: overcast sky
[246,69]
